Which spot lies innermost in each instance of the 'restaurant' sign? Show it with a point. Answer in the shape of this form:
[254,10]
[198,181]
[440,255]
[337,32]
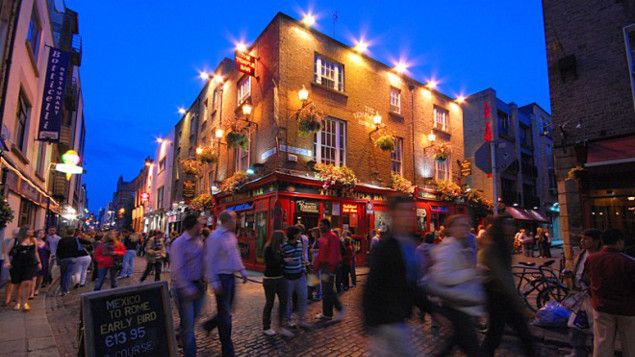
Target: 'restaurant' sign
[130,321]
[53,96]
[245,63]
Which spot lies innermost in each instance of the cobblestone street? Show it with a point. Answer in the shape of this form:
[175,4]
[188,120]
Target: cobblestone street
[346,338]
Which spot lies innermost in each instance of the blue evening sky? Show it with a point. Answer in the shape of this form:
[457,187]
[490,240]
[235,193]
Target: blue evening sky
[142,57]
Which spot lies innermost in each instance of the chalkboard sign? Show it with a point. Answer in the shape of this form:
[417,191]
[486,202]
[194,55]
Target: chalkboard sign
[128,321]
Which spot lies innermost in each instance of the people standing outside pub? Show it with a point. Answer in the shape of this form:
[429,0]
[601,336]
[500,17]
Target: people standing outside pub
[23,262]
[83,260]
[274,284]
[612,286]
[66,252]
[108,254]
[44,251]
[52,239]
[329,257]
[222,259]
[315,291]
[187,255]
[391,289]
[544,243]
[154,253]
[504,304]
[295,275]
[131,242]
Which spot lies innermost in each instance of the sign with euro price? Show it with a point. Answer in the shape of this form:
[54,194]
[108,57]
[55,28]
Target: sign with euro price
[505,156]
[129,321]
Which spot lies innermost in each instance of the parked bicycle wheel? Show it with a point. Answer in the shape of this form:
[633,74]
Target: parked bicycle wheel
[551,293]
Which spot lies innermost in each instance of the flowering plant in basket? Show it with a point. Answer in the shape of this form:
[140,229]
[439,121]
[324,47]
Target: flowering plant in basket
[385,142]
[331,175]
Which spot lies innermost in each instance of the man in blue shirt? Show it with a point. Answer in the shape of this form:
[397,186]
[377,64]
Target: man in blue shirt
[294,272]
[186,254]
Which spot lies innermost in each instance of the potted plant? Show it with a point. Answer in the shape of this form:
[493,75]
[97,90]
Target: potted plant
[448,190]
[6,213]
[208,155]
[401,184]
[309,120]
[234,181]
[237,139]
[190,166]
[331,175]
[385,142]
[441,151]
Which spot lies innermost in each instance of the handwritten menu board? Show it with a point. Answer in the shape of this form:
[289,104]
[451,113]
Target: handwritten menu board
[129,321]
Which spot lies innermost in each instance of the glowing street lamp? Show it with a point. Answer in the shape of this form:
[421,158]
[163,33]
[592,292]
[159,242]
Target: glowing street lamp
[460,99]
[377,119]
[204,75]
[431,137]
[432,84]
[303,94]
[308,20]
[247,108]
[401,67]
[241,47]
[70,159]
[361,46]
[219,133]
[182,110]
[218,78]
[199,150]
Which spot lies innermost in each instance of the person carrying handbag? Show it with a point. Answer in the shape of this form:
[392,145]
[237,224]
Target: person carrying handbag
[455,280]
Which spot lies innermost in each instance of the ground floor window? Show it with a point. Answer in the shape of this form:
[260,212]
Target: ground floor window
[26,216]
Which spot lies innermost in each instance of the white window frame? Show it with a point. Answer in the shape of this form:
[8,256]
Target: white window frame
[243,154]
[41,158]
[441,119]
[395,100]
[630,57]
[396,157]
[332,141]
[328,73]
[244,90]
[442,169]
[22,126]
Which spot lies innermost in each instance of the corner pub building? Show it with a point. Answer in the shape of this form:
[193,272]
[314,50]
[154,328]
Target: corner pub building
[293,71]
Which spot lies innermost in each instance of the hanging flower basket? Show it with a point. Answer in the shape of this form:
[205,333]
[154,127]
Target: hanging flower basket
[331,175]
[385,142]
[6,213]
[191,166]
[309,120]
[208,155]
[576,173]
[237,139]
[234,181]
[442,151]
[448,190]
[476,198]
[401,184]
[202,202]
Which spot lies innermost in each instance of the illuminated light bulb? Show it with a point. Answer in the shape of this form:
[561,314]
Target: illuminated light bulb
[303,94]
[199,150]
[460,99]
[182,110]
[219,133]
[247,108]
[401,67]
[204,75]
[432,137]
[361,46]
[250,171]
[432,84]
[241,47]
[308,20]
[218,78]
[159,141]
[377,119]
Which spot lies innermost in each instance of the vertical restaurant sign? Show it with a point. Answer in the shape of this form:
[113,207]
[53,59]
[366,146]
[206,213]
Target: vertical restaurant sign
[245,63]
[53,96]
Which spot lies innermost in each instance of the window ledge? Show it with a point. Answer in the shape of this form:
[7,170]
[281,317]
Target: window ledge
[396,115]
[443,132]
[328,89]
[29,50]
[20,155]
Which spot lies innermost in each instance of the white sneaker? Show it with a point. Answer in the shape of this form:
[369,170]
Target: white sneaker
[292,324]
[269,332]
[286,333]
[321,316]
[339,315]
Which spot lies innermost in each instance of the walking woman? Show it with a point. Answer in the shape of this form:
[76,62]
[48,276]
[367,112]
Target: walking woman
[504,305]
[315,291]
[109,250]
[155,253]
[24,262]
[83,260]
[131,242]
[44,252]
[454,278]
[274,284]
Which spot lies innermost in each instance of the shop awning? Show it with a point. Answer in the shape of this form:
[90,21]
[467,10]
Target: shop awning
[612,151]
[241,207]
[518,213]
[537,216]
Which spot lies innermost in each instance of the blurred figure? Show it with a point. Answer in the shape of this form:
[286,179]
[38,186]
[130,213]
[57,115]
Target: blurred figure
[131,242]
[108,251]
[590,242]
[315,291]
[391,288]
[274,284]
[480,234]
[82,261]
[66,252]
[154,253]
[223,260]
[374,241]
[329,257]
[504,304]
[52,239]
[44,251]
[187,279]
[544,243]
[526,242]
[347,257]
[455,280]
[612,286]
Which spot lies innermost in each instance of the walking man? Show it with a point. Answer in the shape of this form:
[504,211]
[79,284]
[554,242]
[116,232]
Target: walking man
[329,257]
[612,286]
[187,279]
[223,260]
[295,275]
[53,239]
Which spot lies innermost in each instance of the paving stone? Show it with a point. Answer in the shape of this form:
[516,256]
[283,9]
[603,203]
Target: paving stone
[40,343]
[13,346]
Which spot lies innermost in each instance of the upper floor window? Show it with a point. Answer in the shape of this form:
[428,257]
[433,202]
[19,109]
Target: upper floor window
[34,33]
[329,73]
[330,143]
[41,158]
[244,89]
[442,169]
[162,164]
[396,156]
[504,123]
[22,116]
[216,98]
[525,136]
[395,100]
[243,156]
[160,197]
[629,40]
[441,119]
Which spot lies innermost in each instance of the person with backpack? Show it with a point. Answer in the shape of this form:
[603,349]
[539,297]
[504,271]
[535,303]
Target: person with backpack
[154,253]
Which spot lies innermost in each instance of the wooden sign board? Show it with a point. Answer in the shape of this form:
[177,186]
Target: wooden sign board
[245,63]
[129,321]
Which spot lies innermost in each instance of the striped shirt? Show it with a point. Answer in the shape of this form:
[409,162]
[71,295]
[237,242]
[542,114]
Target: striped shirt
[293,269]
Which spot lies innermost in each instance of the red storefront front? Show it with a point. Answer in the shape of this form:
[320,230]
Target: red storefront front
[279,200]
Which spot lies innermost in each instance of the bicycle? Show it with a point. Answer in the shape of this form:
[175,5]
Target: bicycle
[541,280]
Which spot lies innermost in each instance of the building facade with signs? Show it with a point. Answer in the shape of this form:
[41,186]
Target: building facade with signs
[160,185]
[591,63]
[247,131]
[525,169]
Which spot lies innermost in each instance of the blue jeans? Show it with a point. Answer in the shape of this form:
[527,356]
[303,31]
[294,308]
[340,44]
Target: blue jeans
[223,318]
[66,271]
[101,276]
[189,309]
[127,268]
[297,286]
